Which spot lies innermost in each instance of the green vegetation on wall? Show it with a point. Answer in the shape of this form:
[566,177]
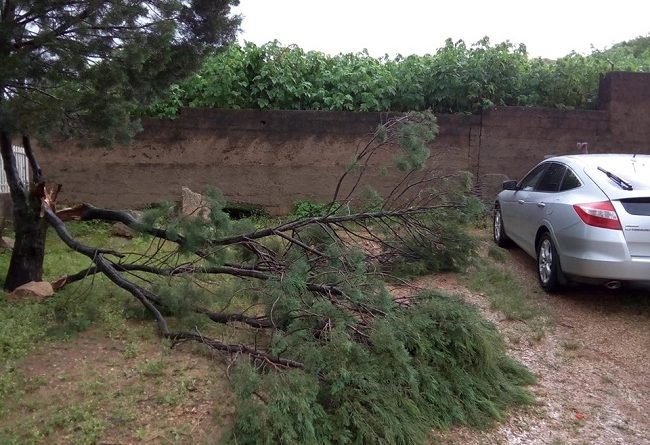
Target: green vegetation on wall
[457,78]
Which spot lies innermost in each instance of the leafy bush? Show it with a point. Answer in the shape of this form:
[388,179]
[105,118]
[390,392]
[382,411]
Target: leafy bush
[307,209]
[456,78]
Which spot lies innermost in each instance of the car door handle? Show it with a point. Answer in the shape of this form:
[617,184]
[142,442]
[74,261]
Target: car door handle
[541,205]
[521,201]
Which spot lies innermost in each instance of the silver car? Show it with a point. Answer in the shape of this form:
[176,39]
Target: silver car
[583,217]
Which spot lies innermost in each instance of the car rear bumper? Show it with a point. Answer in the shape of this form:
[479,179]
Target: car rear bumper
[601,253]
[625,270]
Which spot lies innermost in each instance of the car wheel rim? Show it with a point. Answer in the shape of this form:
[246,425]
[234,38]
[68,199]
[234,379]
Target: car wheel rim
[545,261]
[497,225]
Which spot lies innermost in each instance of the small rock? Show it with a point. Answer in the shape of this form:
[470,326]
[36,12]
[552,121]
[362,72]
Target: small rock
[6,243]
[192,204]
[39,290]
[121,229]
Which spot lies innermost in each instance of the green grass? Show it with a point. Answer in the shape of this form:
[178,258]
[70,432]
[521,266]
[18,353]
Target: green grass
[505,291]
[71,406]
[26,325]
[497,254]
[152,368]
[21,327]
[93,404]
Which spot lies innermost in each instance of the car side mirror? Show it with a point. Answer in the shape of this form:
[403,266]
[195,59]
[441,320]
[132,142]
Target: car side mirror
[509,185]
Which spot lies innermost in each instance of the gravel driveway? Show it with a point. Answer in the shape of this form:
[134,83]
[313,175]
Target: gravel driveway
[592,361]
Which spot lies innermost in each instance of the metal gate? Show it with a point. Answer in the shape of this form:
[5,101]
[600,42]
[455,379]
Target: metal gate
[23,169]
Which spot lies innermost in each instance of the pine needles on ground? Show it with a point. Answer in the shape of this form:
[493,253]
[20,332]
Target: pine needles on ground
[432,364]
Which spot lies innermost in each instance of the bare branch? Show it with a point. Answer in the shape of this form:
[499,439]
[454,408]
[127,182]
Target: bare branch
[87,212]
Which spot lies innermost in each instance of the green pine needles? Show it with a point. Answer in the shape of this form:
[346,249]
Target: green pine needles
[432,364]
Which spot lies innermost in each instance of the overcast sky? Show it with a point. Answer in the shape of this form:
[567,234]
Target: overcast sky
[548,28]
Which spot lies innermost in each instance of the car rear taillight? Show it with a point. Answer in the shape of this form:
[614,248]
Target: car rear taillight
[598,214]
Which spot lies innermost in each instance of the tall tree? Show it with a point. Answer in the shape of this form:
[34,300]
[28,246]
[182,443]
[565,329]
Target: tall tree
[85,68]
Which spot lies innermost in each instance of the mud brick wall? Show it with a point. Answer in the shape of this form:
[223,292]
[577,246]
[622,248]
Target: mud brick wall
[274,158]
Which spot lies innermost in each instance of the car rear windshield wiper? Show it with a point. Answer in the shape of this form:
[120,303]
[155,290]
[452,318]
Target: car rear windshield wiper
[621,183]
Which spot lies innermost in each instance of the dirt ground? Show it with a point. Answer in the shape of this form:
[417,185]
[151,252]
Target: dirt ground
[109,390]
[592,362]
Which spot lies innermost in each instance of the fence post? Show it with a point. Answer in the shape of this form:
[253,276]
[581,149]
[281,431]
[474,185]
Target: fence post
[23,173]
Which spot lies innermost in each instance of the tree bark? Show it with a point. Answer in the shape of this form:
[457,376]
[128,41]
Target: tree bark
[30,228]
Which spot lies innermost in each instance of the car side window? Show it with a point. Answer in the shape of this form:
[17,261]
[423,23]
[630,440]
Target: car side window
[551,179]
[570,181]
[530,180]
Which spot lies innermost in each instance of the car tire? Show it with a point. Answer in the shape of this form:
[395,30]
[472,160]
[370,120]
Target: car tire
[498,231]
[549,271]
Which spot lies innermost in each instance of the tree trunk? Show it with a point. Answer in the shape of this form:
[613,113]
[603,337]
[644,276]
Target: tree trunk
[29,248]
[30,228]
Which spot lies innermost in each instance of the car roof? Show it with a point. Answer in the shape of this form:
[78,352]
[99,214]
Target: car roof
[602,159]
[632,168]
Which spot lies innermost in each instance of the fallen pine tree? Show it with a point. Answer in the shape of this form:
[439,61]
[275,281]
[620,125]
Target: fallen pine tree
[322,352]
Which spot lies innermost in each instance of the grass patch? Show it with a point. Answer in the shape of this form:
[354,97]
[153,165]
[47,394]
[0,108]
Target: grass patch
[152,368]
[571,345]
[505,292]
[606,379]
[75,423]
[90,393]
[497,253]
[21,327]
[26,325]
[79,420]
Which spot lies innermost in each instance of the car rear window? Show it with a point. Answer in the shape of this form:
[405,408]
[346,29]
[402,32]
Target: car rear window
[637,206]
[570,181]
[635,171]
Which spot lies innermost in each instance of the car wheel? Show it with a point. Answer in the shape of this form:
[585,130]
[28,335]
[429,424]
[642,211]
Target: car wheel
[549,271]
[499,232]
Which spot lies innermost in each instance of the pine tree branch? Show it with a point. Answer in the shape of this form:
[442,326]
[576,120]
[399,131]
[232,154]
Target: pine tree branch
[107,269]
[218,317]
[87,212]
[266,358]
[64,28]
[241,272]
[238,271]
[103,265]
